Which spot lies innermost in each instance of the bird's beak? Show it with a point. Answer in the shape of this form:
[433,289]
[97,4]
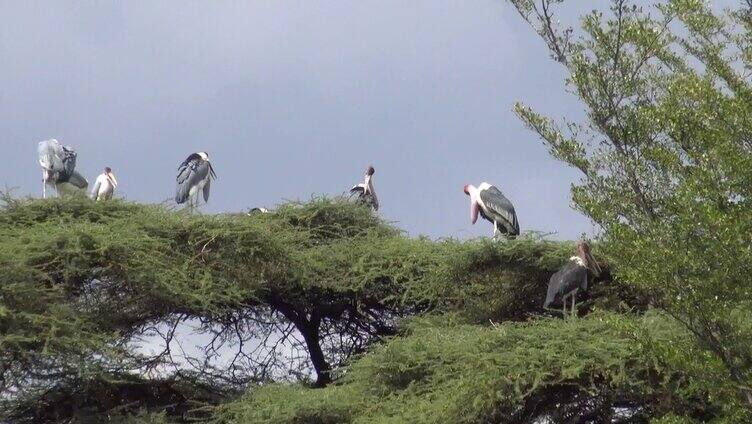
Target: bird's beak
[474,208]
[211,170]
[112,178]
[594,267]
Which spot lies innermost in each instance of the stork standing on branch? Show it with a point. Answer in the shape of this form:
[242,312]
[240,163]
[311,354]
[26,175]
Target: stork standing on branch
[104,186]
[194,175]
[493,206]
[58,164]
[365,191]
[572,277]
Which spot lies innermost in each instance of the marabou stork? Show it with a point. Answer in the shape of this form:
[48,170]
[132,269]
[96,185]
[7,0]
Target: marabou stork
[572,277]
[58,164]
[365,191]
[494,207]
[194,175]
[105,185]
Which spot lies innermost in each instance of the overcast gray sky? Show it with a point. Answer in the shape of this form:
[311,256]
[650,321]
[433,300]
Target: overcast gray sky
[291,98]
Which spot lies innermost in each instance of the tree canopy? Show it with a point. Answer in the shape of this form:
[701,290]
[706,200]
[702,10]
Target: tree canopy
[290,296]
[322,312]
[665,155]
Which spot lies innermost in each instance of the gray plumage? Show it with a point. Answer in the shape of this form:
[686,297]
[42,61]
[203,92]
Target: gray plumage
[367,198]
[194,174]
[78,180]
[570,278]
[499,210]
[58,164]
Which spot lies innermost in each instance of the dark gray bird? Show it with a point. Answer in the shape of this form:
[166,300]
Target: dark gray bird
[365,191]
[494,207]
[58,164]
[571,278]
[194,175]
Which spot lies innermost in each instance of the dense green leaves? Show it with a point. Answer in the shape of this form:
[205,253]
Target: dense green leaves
[84,283]
[445,371]
[665,156]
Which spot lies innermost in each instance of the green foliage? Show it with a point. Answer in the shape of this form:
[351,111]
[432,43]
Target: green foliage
[400,329]
[445,371]
[83,280]
[665,156]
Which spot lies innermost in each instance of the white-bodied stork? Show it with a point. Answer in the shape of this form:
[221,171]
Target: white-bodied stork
[572,277]
[493,206]
[194,175]
[58,164]
[365,191]
[105,185]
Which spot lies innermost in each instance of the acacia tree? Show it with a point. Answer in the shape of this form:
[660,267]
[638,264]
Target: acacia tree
[279,297]
[665,156]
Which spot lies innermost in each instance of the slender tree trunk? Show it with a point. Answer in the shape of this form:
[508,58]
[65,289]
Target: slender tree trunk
[311,336]
[309,329]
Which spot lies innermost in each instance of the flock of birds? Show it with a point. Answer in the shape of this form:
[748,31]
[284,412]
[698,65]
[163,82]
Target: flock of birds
[196,172]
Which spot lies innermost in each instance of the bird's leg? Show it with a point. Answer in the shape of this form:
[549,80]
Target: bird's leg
[44,186]
[563,306]
[574,300]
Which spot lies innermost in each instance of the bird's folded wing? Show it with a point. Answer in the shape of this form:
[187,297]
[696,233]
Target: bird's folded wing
[78,180]
[206,190]
[495,200]
[189,175]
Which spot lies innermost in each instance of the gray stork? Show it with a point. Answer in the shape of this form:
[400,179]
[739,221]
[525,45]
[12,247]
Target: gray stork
[194,175]
[365,191]
[104,186]
[58,164]
[258,210]
[494,207]
[572,277]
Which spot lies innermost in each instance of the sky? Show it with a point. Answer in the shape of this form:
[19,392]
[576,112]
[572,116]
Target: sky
[293,99]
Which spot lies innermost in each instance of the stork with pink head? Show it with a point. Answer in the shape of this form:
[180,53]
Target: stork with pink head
[490,203]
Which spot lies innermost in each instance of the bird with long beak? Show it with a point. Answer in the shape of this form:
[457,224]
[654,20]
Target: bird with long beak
[105,185]
[572,277]
[365,191]
[494,207]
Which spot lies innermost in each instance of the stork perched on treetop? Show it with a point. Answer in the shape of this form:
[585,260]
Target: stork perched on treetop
[194,175]
[105,185]
[365,191]
[58,164]
[572,277]
[494,207]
